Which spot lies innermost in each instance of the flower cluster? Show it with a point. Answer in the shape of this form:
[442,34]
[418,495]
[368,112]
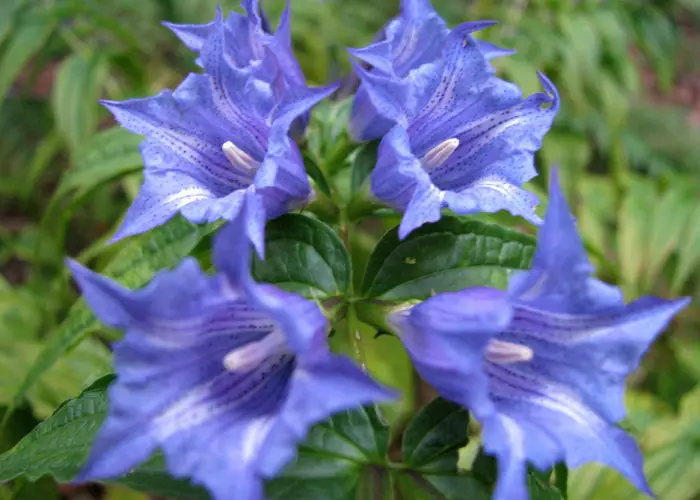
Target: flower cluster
[226,375]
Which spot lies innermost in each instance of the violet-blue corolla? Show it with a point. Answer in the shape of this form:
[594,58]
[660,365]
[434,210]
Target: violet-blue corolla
[413,39]
[543,364]
[248,38]
[225,375]
[217,136]
[463,138]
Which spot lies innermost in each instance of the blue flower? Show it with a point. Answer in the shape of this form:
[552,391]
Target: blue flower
[542,365]
[463,139]
[218,135]
[247,40]
[410,41]
[224,374]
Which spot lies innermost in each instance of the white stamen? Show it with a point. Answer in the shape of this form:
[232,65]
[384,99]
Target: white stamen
[440,153]
[505,353]
[239,158]
[248,357]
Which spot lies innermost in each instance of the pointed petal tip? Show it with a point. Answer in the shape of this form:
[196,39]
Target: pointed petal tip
[473,27]
[76,268]
[550,89]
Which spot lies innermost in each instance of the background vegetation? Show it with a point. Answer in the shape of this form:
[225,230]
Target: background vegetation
[627,141]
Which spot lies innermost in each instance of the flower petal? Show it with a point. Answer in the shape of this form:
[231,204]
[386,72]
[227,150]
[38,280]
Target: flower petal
[397,172]
[593,353]
[424,207]
[446,336]
[560,276]
[388,94]
[491,194]
[323,385]
[553,412]
[465,69]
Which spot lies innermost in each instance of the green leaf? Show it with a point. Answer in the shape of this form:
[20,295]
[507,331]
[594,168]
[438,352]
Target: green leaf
[689,253]
[107,155]
[74,96]
[430,447]
[446,256]
[59,446]
[305,256]
[43,489]
[7,15]
[433,486]
[669,222]
[337,459]
[91,359]
[434,436]
[327,138]
[672,455]
[28,37]
[364,161]
[485,468]
[633,230]
[133,266]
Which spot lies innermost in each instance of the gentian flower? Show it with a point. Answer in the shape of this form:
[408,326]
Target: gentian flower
[247,40]
[463,139]
[413,39]
[224,374]
[542,365]
[217,136]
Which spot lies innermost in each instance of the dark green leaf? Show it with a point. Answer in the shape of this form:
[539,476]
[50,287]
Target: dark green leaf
[317,175]
[43,489]
[362,165]
[59,446]
[338,459]
[304,255]
[446,256]
[434,436]
[485,468]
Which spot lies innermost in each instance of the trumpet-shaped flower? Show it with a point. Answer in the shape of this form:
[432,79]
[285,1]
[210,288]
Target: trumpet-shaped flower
[224,374]
[219,135]
[463,139]
[413,39]
[542,365]
[247,40]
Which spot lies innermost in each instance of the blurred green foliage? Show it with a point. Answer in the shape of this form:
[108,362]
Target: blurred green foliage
[629,156]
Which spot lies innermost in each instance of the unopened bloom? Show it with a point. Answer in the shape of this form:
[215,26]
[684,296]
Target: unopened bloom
[224,374]
[542,365]
[464,139]
[219,135]
[411,41]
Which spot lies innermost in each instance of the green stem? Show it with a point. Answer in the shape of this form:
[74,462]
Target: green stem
[375,314]
[561,478]
[324,208]
[361,207]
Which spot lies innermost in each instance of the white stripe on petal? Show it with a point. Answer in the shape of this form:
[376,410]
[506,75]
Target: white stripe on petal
[254,435]
[187,196]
